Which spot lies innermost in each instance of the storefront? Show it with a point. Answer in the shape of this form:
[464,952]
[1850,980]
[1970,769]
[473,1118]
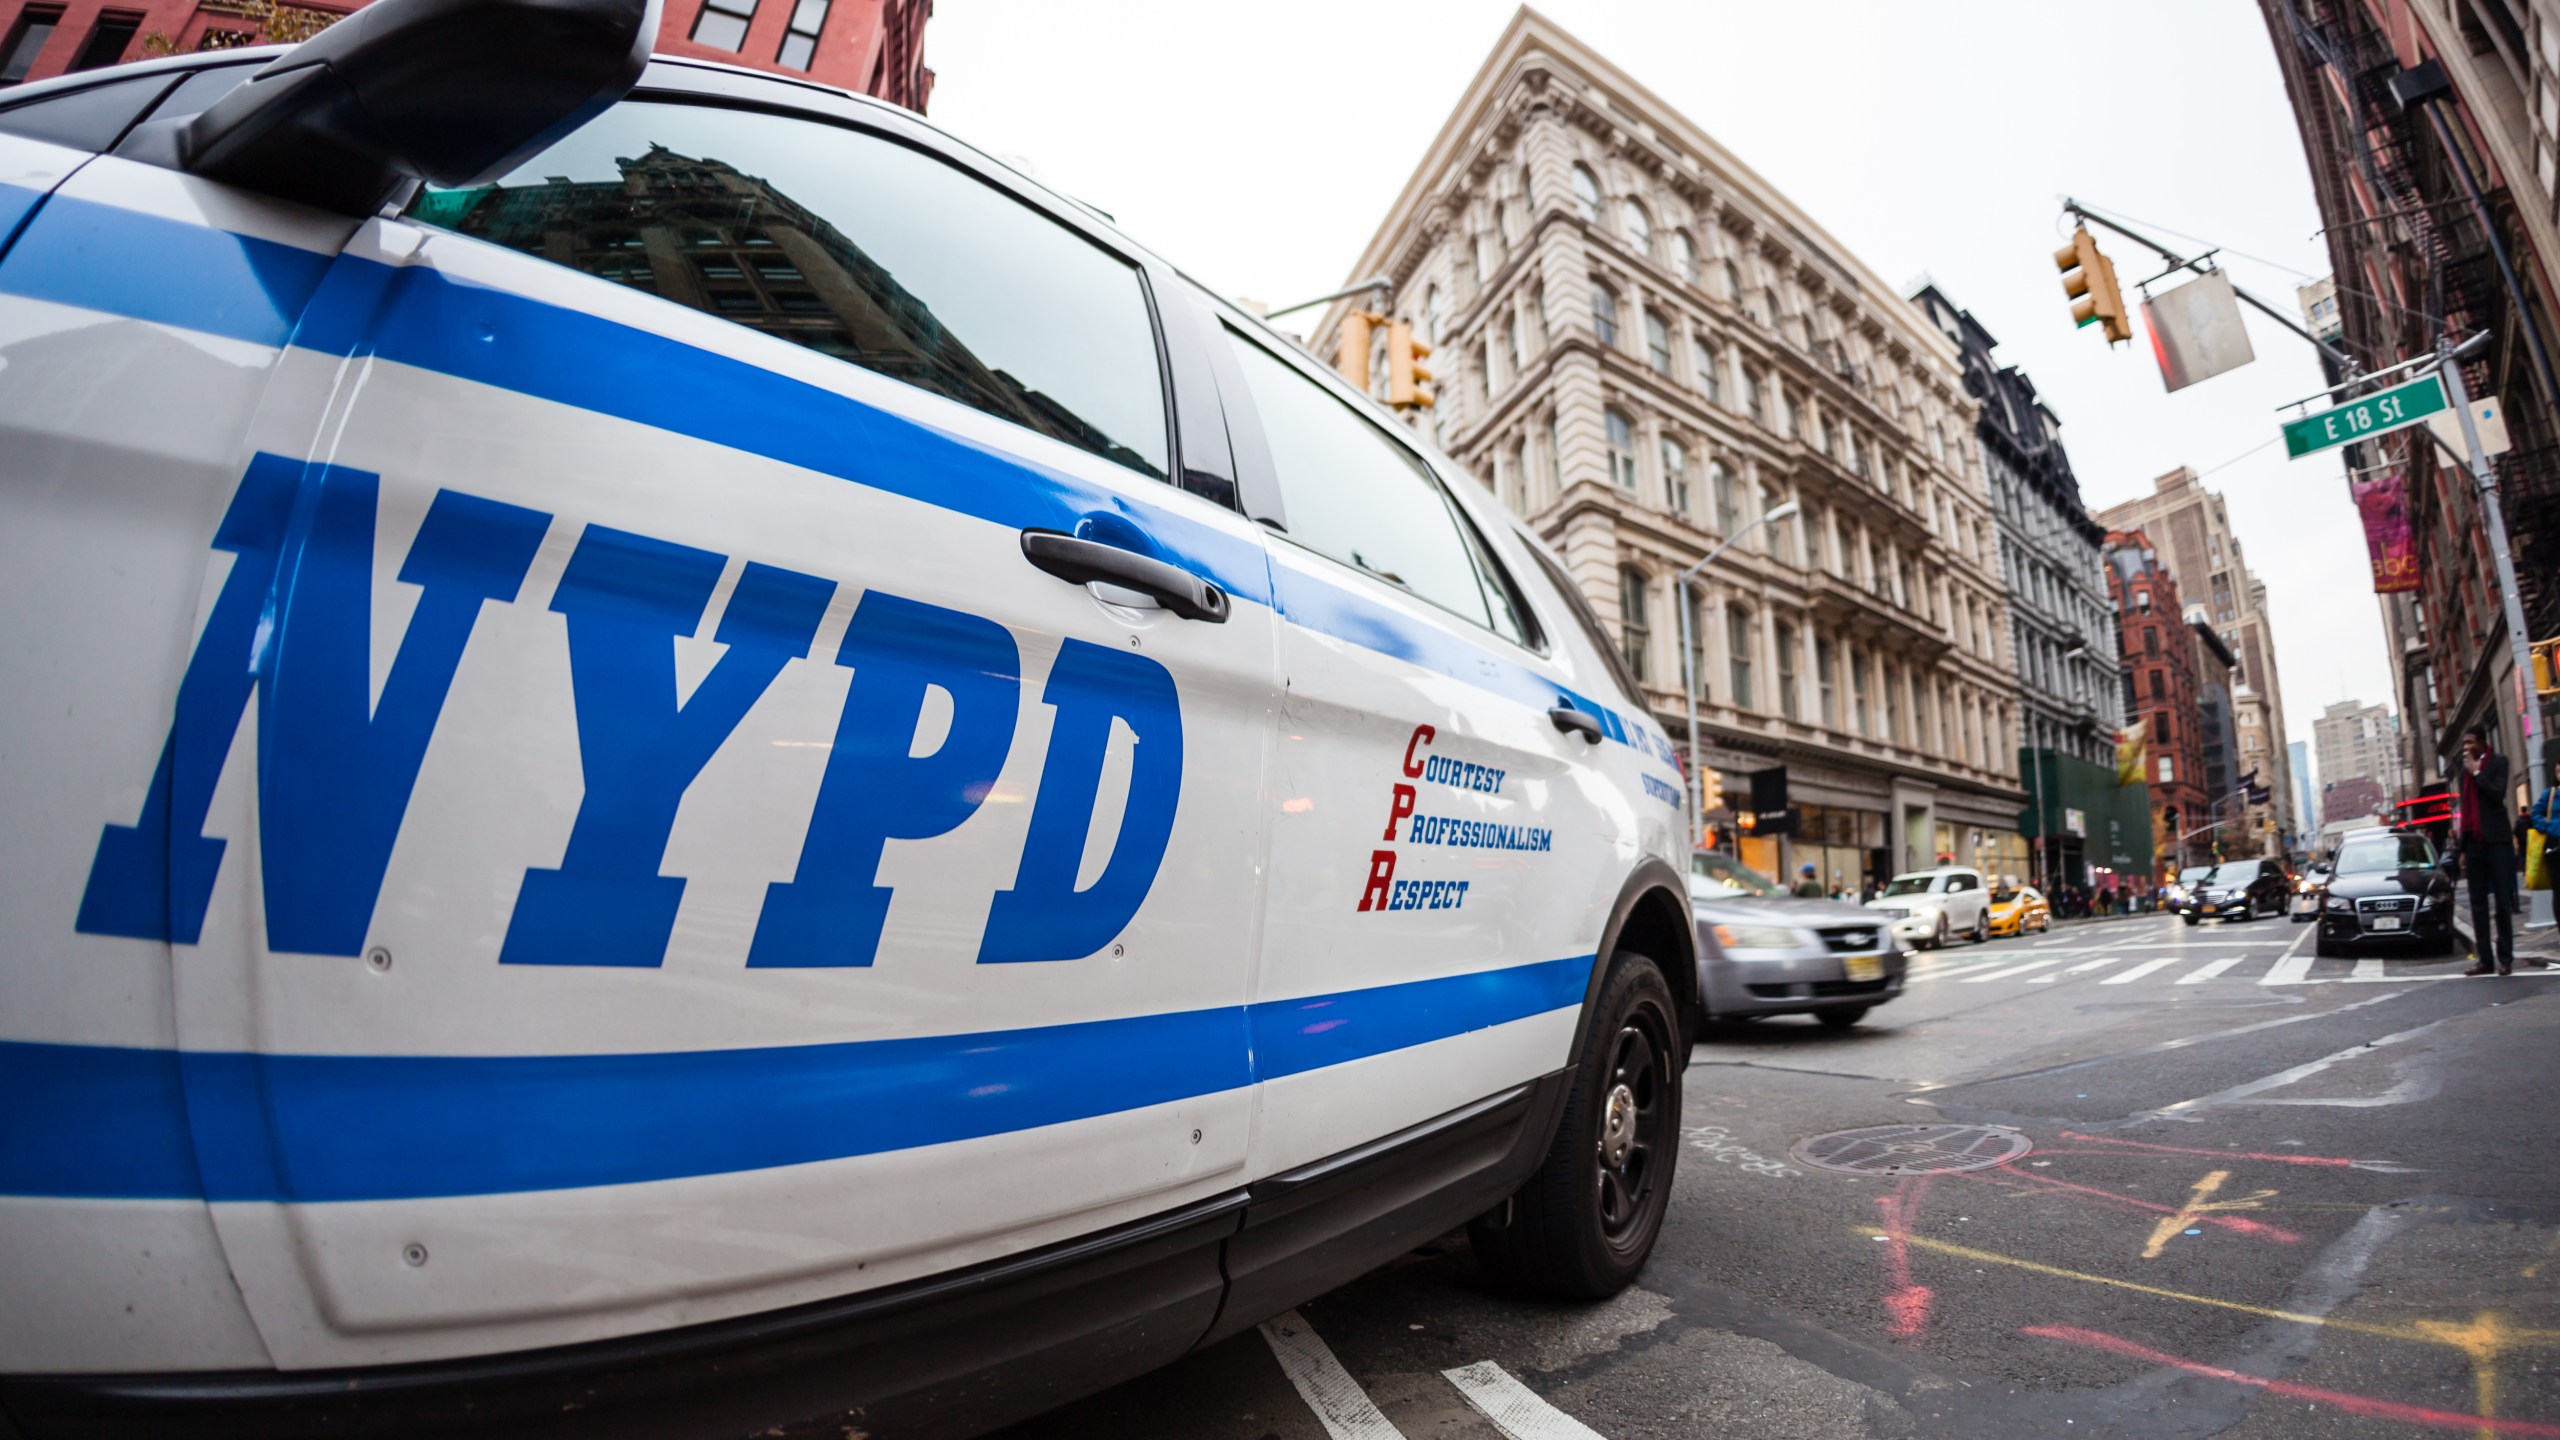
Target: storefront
[1995,852]
[1844,845]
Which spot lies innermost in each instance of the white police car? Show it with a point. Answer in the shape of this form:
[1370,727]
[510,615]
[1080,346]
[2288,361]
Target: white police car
[726,765]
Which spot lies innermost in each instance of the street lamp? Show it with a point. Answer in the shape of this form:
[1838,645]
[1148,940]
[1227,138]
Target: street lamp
[1689,651]
[2035,782]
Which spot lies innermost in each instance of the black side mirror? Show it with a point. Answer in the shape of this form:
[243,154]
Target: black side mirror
[456,92]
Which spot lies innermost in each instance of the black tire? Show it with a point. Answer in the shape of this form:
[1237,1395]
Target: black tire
[1583,1225]
[1841,1019]
[2321,947]
[2189,917]
[1982,927]
[1939,940]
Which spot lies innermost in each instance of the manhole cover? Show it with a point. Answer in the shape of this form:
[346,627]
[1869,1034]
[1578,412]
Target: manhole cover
[1912,1149]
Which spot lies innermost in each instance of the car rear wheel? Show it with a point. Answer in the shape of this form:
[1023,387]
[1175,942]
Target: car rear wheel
[2323,947]
[1583,1225]
[1841,1019]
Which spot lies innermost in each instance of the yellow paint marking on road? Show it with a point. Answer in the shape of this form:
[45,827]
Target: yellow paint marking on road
[2197,1205]
[2534,1269]
[2483,1340]
[2359,1327]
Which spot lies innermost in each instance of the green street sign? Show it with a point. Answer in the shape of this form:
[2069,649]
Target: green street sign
[2364,418]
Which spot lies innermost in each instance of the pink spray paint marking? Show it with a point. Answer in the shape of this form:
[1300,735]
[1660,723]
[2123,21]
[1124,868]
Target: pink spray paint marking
[2329,1160]
[2364,1405]
[2234,1223]
[1906,1304]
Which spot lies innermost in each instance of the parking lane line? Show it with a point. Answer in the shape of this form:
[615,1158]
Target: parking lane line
[2011,970]
[2207,971]
[1514,1408]
[1340,1404]
[2127,977]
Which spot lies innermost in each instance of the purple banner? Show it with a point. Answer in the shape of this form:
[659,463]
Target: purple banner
[2384,504]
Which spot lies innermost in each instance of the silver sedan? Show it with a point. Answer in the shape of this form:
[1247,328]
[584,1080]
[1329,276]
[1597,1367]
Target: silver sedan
[1764,952]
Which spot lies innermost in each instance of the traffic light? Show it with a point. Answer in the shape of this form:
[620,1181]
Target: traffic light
[2089,278]
[1405,374]
[2546,667]
[1710,789]
[1351,357]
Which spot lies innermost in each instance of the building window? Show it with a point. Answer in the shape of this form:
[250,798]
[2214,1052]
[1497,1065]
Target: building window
[1635,638]
[1892,679]
[800,45]
[1586,193]
[1786,410]
[1720,485]
[1555,456]
[1787,670]
[1675,476]
[2168,771]
[107,39]
[1604,313]
[1746,392]
[2159,685]
[1511,341]
[1704,360]
[1826,680]
[722,25]
[1684,256]
[1622,447]
[26,40]
[1858,693]
[1639,228]
[1773,538]
[1738,641]
[1427,320]
[1520,478]
[2150,642]
[1657,343]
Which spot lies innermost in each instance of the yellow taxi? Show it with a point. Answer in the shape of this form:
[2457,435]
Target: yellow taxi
[2017,909]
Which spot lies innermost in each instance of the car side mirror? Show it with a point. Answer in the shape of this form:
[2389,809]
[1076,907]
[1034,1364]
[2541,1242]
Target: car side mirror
[455,92]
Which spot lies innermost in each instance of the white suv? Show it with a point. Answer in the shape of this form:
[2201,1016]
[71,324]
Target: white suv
[1929,907]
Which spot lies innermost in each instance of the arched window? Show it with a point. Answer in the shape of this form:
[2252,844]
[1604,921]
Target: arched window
[1704,360]
[1635,637]
[1586,193]
[1732,282]
[1604,313]
[1684,256]
[1746,394]
[1786,412]
[1720,488]
[1657,342]
[1675,476]
[1639,227]
[1622,447]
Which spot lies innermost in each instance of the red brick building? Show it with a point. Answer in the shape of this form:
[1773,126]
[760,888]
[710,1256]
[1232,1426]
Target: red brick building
[2160,687]
[875,46]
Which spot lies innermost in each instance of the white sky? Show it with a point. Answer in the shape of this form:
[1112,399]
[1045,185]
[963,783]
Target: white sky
[1258,146]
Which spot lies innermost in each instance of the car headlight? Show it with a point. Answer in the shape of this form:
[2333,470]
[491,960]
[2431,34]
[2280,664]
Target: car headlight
[1759,937]
[2174,893]
[2338,905]
[1893,912]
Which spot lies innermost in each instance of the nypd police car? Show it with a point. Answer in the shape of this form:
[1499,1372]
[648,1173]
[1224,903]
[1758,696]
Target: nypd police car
[679,758]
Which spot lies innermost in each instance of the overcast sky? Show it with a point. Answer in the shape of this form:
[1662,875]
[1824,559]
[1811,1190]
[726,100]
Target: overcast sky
[1258,146]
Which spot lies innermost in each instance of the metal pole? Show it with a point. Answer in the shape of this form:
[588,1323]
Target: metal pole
[1689,660]
[2519,645]
[2345,361]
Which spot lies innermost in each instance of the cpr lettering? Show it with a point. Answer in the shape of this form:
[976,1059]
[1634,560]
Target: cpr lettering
[627,597]
[292,625]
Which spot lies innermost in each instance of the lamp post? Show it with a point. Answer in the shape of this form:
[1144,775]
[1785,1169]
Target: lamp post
[1689,652]
[2035,784]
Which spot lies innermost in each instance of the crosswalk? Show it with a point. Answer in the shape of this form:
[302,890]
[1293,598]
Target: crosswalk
[2260,962]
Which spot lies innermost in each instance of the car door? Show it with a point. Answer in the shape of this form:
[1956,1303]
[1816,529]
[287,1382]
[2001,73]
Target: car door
[706,861]
[1444,853]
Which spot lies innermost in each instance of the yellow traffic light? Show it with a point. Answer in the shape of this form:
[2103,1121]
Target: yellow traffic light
[2546,667]
[1405,375]
[1351,356]
[2089,278]
[1710,789]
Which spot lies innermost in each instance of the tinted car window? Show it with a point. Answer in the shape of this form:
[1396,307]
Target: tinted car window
[1356,495]
[2385,854]
[200,90]
[853,246]
[93,118]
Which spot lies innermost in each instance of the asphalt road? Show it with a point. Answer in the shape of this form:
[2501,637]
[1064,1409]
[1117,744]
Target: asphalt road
[2267,1196]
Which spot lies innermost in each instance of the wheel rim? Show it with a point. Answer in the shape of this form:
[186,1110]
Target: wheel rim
[1634,1112]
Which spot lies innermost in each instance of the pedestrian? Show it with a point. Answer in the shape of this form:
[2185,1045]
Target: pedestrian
[2542,845]
[2483,835]
[1809,885]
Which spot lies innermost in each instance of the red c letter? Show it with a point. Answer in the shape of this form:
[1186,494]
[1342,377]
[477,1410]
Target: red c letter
[1403,806]
[1421,736]
[1382,871]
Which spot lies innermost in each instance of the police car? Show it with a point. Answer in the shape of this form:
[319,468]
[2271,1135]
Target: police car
[678,757]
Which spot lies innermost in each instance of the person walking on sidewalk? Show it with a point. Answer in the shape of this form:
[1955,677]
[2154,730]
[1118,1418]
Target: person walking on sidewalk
[2485,838]
[1809,887]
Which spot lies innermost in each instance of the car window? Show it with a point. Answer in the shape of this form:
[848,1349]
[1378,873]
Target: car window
[2384,854]
[854,246]
[2003,897]
[198,91]
[1715,877]
[1910,885]
[91,118]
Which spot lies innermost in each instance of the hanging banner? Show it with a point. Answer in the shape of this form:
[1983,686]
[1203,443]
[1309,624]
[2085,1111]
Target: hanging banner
[2133,754]
[2384,503]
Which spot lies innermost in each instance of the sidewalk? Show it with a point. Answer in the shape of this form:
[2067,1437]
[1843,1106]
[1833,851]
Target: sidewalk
[2540,942]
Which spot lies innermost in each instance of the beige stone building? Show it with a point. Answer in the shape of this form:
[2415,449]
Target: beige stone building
[2194,532]
[1644,348]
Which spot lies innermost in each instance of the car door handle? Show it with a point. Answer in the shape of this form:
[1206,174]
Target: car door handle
[1576,722]
[1089,562]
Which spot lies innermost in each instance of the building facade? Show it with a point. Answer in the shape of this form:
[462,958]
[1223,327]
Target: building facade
[2061,623]
[875,46]
[2199,546]
[1645,349]
[2165,731]
[2440,219]
[2306,811]
[2356,741]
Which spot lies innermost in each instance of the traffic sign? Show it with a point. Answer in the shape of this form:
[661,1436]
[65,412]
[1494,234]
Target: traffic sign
[2365,417]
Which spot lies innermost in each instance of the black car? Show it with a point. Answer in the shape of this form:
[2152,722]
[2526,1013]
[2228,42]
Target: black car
[2387,890]
[2232,890]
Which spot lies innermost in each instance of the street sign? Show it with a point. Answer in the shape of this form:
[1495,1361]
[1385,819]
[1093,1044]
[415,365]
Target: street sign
[2365,417]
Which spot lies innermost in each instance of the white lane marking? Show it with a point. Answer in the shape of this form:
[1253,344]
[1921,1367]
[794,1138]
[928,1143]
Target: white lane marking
[1514,1408]
[2205,972]
[2294,967]
[2369,968]
[1344,1408]
[2012,970]
[2404,1091]
[2127,977]
[2083,968]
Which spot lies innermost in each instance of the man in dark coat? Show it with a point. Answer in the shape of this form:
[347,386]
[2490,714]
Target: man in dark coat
[2485,835]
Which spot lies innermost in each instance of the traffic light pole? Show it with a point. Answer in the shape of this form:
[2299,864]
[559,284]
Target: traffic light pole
[2346,363]
[1689,660]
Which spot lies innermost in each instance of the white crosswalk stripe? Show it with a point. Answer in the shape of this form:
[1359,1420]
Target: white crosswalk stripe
[1345,1410]
[2082,968]
[2127,977]
[2011,970]
[1515,1409]
[2202,973]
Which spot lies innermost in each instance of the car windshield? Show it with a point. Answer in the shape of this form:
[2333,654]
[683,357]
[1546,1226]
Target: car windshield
[1909,884]
[2384,854]
[2003,897]
[2234,872]
[1714,877]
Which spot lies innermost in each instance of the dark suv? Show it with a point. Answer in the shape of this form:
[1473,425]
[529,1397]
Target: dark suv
[2386,889]
[2232,890]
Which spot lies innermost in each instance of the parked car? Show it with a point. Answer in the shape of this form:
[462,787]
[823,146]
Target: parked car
[2386,890]
[2232,890]
[1926,907]
[2017,909]
[1762,951]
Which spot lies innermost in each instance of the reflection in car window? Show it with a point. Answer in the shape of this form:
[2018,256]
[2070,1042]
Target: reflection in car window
[2231,872]
[1909,885]
[1714,877]
[2384,854]
[853,246]
[1356,495]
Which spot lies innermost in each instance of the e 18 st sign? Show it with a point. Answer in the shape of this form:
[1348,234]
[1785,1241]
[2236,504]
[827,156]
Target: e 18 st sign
[2365,417]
